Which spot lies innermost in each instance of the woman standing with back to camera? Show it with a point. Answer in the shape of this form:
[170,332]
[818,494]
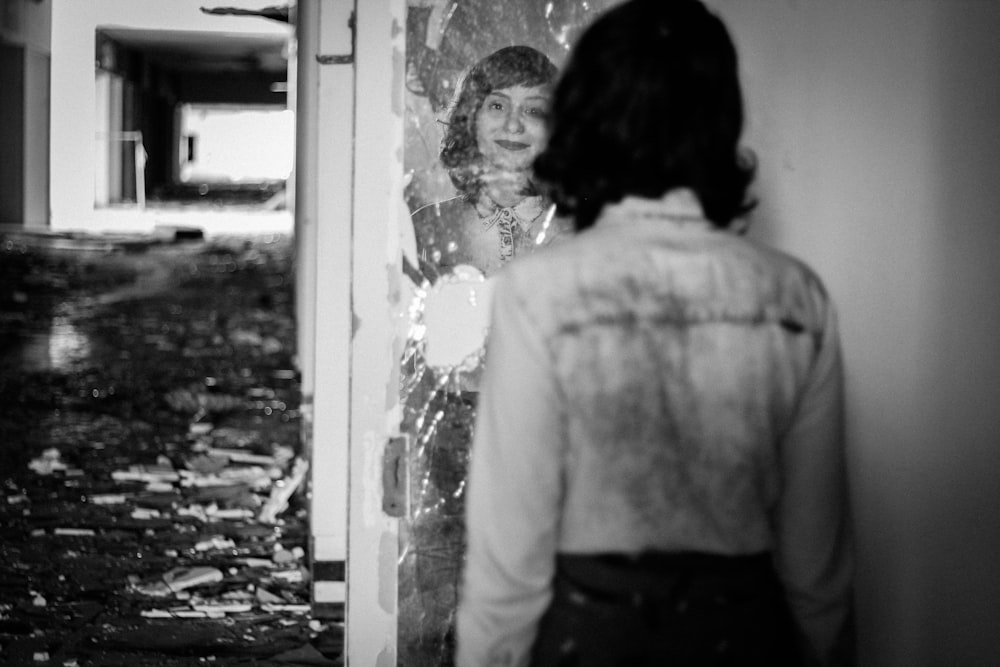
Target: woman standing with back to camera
[658,468]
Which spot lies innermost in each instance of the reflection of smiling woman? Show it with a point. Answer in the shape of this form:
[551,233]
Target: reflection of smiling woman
[495,130]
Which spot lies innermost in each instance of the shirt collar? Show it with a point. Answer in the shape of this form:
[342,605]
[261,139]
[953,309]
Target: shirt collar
[525,210]
[680,205]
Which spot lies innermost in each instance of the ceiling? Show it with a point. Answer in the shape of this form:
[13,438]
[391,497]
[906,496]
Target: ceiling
[202,51]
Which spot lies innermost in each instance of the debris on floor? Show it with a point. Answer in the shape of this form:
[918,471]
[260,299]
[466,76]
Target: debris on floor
[153,481]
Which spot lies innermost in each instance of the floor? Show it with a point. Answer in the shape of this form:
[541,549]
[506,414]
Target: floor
[153,506]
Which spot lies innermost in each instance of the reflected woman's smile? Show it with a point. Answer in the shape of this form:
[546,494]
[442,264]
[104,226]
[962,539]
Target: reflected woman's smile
[512,145]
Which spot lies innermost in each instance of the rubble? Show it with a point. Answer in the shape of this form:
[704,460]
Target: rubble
[154,510]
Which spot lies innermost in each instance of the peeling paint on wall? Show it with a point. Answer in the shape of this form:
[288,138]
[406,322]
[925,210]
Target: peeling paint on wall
[387,658]
[387,559]
[398,71]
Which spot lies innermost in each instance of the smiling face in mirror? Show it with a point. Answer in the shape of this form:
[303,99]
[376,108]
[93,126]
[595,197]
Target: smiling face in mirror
[510,126]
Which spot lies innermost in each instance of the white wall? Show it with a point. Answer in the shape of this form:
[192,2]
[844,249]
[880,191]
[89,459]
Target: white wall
[877,129]
[73,122]
[221,151]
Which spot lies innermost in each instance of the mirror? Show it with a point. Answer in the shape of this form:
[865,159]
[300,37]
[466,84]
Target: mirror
[478,77]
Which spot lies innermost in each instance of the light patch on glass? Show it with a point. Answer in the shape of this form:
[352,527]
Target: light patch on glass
[456,319]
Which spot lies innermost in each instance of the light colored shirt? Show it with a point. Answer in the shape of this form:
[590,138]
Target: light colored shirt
[481,234]
[655,383]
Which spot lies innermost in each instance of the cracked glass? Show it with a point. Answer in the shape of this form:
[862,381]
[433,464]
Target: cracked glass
[478,77]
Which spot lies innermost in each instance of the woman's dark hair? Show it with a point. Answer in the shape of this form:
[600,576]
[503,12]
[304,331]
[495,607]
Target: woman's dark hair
[650,100]
[510,66]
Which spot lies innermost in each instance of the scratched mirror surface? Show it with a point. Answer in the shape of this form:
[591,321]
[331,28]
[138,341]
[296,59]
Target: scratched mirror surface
[478,78]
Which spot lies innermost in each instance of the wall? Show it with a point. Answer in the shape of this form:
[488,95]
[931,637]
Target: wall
[26,22]
[12,134]
[36,138]
[876,128]
[73,87]
[24,132]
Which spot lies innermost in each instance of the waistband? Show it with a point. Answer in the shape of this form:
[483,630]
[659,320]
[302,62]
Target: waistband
[659,574]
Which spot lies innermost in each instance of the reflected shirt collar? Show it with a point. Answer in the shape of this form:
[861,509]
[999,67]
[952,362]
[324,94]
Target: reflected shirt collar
[525,211]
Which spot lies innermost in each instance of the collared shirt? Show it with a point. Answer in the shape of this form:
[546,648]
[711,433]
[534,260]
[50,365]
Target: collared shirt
[525,212]
[655,383]
[481,234]
[513,223]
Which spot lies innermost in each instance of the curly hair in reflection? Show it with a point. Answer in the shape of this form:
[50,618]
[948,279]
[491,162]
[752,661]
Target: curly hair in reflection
[510,66]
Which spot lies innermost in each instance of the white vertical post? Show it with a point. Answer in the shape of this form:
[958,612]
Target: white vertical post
[373,555]
[349,184]
[139,155]
[323,213]
[102,146]
[116,110]
[307,74]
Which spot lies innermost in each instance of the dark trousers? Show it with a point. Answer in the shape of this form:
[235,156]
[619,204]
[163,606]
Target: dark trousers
[666,609]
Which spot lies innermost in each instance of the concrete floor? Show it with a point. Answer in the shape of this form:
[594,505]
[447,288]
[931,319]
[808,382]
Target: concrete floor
[149,433]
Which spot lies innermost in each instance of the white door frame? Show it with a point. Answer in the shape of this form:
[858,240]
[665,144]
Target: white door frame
[349,194]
